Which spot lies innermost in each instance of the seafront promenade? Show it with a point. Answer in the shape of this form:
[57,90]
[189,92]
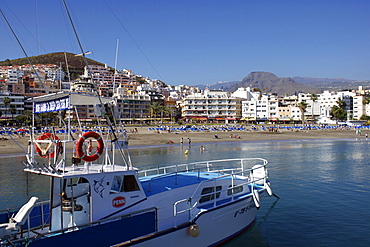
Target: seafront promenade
[149,136]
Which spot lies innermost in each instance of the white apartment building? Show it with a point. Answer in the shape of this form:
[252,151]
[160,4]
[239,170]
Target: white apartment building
[54,74]
[312,111]
[359,108]
[105,77]
[327,100]
[258,106]
[14,75]
[212,105]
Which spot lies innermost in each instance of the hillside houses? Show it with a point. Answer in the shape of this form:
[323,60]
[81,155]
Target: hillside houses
[135,95]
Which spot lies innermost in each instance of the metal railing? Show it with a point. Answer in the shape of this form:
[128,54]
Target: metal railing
[233,168]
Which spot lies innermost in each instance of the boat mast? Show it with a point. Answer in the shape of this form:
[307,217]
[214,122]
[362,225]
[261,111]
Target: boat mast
[115,139]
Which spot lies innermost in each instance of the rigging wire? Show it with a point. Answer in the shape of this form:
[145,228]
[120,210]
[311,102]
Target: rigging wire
[37,27]
[133,40]
[33,37]
[73,47]
[25,53]
[77,25]
[3,190]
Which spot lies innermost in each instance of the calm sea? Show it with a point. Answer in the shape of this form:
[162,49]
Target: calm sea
[323,185]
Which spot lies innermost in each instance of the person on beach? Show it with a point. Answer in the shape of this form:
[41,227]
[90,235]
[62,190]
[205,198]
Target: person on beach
[189,140]
[181,141]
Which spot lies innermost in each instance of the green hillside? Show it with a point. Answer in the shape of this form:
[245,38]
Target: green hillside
[76,64]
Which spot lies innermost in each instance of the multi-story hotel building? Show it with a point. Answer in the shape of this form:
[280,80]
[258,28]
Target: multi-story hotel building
[212,105]
[131,107]
[16,103]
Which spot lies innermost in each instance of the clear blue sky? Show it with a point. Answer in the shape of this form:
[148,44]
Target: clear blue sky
[200,42]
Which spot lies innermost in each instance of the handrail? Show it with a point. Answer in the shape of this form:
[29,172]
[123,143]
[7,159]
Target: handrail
[171,173]
[240,170]
[196,199]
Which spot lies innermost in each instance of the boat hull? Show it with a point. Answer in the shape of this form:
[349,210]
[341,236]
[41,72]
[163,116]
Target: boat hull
[216,226]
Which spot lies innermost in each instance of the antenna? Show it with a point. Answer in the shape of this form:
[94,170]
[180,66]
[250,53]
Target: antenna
[69,76]
[115,67]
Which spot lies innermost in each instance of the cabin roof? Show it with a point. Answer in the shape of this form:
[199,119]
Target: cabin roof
[75,98]
[78,171]
[174,181]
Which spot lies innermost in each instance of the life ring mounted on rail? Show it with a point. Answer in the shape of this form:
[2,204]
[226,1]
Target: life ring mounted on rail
[43,152]
[80,144]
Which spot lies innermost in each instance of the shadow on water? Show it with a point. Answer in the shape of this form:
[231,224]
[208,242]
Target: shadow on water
[17,186]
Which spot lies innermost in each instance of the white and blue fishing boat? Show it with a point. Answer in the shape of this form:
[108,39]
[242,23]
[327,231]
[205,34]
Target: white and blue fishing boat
[98,198]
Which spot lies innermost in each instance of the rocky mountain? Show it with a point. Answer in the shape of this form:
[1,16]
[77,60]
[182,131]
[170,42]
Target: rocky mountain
[223,85]
[270,83]
[313,80]
[331,83]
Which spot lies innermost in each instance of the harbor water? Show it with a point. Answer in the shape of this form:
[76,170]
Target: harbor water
[323,185]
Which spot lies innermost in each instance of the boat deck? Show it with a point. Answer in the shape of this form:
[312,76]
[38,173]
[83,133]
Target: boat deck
[157,184]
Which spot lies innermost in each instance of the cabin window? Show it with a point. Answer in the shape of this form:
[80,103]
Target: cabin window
[234,190]
[130,184]
[207,193]
[124,184]
[116,184]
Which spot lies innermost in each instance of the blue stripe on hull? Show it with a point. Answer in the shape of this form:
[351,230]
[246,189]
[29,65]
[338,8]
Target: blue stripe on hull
[104,235]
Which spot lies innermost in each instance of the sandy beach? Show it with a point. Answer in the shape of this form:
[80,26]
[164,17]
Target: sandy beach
[145,137]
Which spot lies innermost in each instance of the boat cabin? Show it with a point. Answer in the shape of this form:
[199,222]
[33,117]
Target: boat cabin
[83,198]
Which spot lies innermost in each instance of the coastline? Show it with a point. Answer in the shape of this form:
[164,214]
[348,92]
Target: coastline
[145,137]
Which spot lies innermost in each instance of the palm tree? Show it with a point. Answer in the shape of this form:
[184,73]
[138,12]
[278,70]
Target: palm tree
[27,116]
[366,100]
[302,107]
[256,89]
[6,102]
[338,111]
[165,111]
[155,108]
[12,111]
[47,117]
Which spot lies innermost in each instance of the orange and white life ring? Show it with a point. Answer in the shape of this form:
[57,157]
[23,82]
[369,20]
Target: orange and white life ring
[99,150]
[43,152]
